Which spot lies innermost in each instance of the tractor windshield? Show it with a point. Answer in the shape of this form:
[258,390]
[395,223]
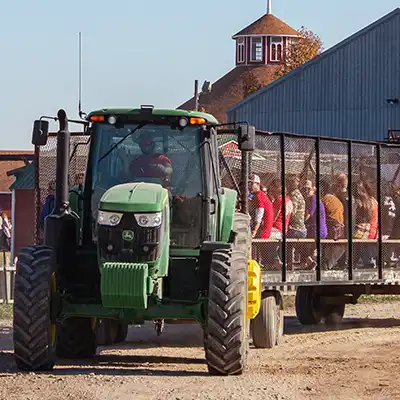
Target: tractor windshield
[158,154]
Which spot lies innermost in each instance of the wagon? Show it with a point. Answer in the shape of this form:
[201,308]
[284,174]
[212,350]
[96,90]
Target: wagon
[343,268]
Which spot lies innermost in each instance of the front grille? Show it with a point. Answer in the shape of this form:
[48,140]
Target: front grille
[145,245]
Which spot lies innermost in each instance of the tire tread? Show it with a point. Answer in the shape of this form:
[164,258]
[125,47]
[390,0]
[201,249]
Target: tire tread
[31,316]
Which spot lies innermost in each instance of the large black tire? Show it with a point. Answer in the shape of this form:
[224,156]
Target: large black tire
[333,314]
[34,335]
[76,338]
[264,327]
[122,332]
[308,307]
[106,331]
[241,229]
[226,334]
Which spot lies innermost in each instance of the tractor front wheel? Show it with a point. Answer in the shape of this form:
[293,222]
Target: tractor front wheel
[226,333]
[34,334]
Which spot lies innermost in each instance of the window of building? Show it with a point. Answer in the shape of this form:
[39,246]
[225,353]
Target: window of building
[256,49]
[292,43]
[276,48]
[240,50]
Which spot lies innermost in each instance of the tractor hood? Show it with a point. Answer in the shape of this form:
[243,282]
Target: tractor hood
[134,197]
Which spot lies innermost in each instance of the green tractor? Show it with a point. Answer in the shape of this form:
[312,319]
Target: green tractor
[150,236]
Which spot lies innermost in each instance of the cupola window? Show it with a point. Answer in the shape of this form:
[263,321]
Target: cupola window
[256,49]
[276,48]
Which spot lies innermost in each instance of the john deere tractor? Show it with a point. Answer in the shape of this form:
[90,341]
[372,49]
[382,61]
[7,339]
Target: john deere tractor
[161,247]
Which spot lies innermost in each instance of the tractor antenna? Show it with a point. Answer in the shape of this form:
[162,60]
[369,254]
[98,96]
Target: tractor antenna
[80,112]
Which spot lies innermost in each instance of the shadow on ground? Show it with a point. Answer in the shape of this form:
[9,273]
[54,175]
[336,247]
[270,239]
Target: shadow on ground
[174,336]
[112,364]
[293,326]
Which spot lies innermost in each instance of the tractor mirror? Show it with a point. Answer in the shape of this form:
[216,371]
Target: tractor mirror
[40,132]
[247,137]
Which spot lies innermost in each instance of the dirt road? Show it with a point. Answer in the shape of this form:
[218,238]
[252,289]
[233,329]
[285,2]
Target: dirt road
[361,360]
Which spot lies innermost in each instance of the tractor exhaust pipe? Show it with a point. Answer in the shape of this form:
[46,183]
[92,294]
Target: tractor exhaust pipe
[62,185]
[61,226]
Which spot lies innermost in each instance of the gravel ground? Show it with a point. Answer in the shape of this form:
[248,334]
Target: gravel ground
[359,360]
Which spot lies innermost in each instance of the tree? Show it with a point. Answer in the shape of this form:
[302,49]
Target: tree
[304,48]
[250,84]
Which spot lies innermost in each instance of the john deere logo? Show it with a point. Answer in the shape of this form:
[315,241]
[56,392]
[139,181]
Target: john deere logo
[128,236]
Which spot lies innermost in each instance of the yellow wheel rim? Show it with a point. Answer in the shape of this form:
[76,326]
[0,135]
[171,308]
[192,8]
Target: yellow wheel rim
[53,326]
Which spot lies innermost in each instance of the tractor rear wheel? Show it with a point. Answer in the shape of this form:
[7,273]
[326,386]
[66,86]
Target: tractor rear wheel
[226,333]
[76,338]
[34,335]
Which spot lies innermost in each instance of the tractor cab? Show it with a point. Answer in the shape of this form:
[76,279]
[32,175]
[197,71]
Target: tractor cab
[169,154]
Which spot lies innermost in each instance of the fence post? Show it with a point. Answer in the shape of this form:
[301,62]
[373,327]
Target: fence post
[380,260]
[5,278]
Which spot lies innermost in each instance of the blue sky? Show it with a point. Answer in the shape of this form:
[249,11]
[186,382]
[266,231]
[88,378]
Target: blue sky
[136,52]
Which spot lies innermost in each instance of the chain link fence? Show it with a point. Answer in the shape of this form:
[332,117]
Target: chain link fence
[45,173]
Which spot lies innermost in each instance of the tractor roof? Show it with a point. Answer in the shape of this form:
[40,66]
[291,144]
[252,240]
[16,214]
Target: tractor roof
[167,112]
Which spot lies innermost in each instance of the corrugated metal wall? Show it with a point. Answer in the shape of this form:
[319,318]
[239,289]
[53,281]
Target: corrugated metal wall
[342,95]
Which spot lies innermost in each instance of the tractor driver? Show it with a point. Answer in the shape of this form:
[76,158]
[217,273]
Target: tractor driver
[149,164]
[152,165]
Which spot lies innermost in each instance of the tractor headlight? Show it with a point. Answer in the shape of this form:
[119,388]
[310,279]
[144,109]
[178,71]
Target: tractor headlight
[109,218]
[183,122]
[148,220]
[112,120]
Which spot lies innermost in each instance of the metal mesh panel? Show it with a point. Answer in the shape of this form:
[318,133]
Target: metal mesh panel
[229,161]
[266,163]
[348,205]
[390,209]
[334,195]
[46,171]
[365,210]
[301,210]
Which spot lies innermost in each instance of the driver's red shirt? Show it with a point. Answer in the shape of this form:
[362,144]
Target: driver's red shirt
[153,166]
